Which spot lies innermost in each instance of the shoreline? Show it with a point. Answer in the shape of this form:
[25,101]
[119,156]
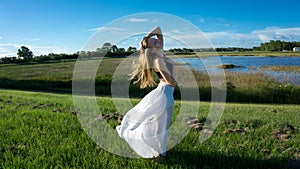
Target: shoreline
[263,54]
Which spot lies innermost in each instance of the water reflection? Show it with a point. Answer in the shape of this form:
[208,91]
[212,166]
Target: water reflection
[249,64]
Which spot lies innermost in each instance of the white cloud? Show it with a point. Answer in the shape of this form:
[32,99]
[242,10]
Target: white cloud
[44,50]
[229,38]
[235,39]
[10,49]
[201,19]
[104,28]
[221,20]
[189,39]
[137,20]
[173,38]
[25,41]
[276,33]
[263,38]
[212,39]
[218,35]
[155,20]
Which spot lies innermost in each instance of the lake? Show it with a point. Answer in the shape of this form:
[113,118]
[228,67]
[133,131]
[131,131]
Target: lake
[247,63]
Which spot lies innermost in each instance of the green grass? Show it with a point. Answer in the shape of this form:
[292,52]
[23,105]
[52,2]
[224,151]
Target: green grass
[38,130]
[53,71]
[57,77]
[52,76]
[293,69]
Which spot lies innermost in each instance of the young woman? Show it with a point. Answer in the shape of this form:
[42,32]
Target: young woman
[145,126]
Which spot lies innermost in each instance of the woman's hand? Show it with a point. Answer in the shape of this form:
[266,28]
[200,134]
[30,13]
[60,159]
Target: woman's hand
[156,31]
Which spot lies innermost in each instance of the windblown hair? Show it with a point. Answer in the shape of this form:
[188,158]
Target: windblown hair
[143,69]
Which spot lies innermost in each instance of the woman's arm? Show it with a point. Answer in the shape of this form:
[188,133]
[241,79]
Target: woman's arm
[156,32]
[161,66]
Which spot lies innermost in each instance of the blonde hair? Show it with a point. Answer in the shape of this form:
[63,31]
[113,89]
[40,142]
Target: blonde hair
[143,68]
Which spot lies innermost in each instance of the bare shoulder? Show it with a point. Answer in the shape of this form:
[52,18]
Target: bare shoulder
[158,61]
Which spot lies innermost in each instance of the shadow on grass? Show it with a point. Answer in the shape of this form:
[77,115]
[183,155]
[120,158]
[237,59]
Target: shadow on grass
[103,88]
[37,85]
[189,159]
[38,62]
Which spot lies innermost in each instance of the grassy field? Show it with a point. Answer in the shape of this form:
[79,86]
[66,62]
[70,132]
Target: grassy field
[40,130]
[293,69]
[53,71]
[49,76]
[56,76]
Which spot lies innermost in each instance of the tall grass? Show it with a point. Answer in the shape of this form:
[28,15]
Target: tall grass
[57,76]
[278,68]
[252,87]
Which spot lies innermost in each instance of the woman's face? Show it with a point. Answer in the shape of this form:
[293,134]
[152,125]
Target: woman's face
[154,43]
[151,43]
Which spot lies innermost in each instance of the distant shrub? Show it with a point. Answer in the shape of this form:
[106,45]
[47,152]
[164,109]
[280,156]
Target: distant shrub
[228,66]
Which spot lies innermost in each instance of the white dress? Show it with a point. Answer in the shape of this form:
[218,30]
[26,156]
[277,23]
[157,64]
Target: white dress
[145,126]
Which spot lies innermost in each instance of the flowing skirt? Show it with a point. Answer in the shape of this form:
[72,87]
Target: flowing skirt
[145,126]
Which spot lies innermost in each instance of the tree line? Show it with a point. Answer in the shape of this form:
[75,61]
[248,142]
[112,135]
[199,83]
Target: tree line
[25,55]
[272,45]
[108,50]
[277,45]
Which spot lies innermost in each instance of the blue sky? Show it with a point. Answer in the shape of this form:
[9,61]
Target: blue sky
[62,26]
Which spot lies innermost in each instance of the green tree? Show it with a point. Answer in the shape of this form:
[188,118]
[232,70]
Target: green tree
[121,50]
[25,53]
[131,49]
[114,48]
[107,46]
